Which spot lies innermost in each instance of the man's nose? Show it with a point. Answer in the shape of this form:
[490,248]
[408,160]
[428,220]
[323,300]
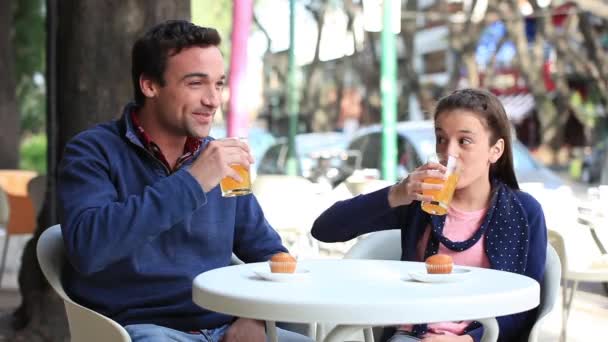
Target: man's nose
[211,98]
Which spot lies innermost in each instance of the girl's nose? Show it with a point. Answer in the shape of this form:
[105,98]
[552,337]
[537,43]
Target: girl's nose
[453,149]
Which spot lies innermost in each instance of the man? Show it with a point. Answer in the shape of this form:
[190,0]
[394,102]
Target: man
[142,213]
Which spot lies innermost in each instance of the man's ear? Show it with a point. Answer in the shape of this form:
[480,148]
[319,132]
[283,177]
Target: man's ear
[497,150]
[148,86]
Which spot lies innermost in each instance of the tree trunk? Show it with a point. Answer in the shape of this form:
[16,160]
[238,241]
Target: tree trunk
[307,103]
[89,81]
[530,63]
[9,117]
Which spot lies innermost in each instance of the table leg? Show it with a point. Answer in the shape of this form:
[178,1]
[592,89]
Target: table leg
[311,331]
[490,329]
[271,331]
[341,332]
[368,335]
[320,331]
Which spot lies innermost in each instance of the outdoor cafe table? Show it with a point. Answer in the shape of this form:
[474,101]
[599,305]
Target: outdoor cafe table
[355,294]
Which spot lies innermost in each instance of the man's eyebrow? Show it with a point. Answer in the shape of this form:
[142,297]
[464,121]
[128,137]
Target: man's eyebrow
[200,74]
[195,74]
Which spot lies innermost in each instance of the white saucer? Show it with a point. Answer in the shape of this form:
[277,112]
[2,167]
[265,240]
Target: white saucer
[299,274]
[457,274]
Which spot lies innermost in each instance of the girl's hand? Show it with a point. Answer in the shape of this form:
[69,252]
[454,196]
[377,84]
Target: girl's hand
[448,338]
[410,189]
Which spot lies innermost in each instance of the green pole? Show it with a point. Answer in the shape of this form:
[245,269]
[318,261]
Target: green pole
[292,94]
[388,89]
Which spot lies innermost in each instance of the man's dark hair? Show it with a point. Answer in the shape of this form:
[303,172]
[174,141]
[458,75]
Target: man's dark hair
[150,52]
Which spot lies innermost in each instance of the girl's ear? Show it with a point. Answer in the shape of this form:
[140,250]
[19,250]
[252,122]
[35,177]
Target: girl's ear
[496,150]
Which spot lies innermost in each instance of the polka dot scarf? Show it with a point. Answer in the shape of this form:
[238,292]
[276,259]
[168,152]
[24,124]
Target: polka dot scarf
[507,235]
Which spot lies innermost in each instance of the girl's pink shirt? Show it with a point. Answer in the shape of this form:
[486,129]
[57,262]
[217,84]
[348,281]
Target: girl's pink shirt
[459,226]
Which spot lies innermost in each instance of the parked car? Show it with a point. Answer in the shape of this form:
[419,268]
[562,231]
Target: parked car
[594,162]
[416,140]
[604,176]
[319,156]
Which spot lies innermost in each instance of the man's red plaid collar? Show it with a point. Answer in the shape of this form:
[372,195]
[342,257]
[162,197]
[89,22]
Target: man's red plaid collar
[190,147]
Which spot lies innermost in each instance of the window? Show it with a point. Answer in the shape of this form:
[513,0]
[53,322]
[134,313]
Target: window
[355,153]
[372,154]
[270,161]
[408,158]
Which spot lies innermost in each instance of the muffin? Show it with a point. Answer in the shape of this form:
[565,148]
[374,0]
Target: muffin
[282,263]
[439,264]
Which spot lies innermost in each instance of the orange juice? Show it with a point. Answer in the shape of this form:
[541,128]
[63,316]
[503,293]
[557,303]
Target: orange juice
[231,187]
[441,198]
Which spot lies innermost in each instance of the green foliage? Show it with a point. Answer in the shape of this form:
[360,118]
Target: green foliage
[33,153]
[216,14]
[29,36]
[32,105]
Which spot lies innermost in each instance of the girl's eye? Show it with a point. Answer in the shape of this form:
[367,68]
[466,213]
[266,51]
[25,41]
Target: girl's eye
[465,141]
[194,83]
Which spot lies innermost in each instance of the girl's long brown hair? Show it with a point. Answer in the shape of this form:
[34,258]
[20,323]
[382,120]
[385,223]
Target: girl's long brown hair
[493,116]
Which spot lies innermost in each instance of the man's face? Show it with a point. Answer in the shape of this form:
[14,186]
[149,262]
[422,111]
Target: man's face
[194,80]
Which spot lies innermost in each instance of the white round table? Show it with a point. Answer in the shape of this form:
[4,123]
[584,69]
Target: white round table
[362,293]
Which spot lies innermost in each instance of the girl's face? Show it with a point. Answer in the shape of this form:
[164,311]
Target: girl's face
[461,133]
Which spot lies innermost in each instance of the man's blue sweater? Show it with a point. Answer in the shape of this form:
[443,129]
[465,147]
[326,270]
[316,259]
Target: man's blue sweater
[136,236]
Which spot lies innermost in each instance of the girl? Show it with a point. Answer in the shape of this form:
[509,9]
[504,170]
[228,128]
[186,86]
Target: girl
[473,125]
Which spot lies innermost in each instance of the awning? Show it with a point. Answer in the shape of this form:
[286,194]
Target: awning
[517,106]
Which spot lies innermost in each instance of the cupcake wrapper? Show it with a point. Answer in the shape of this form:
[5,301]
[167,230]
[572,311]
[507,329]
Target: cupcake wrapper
[282,267]
[437,269]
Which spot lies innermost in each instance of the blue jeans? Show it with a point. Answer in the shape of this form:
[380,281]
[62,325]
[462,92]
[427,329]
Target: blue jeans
[157,333]
[401,336]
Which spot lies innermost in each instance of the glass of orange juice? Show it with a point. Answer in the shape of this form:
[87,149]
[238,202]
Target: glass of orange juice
[230,187]
[442,197]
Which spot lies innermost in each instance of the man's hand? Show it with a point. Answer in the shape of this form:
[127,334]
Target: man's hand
[245,330]
[448,338]
[214,162]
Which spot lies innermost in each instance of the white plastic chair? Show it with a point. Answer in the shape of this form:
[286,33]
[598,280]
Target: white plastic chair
[4,216]
[549,291]
[85,325]
[17,199]
[36,188]
[290,204]
[386,245]
[4,209]
[594,269]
